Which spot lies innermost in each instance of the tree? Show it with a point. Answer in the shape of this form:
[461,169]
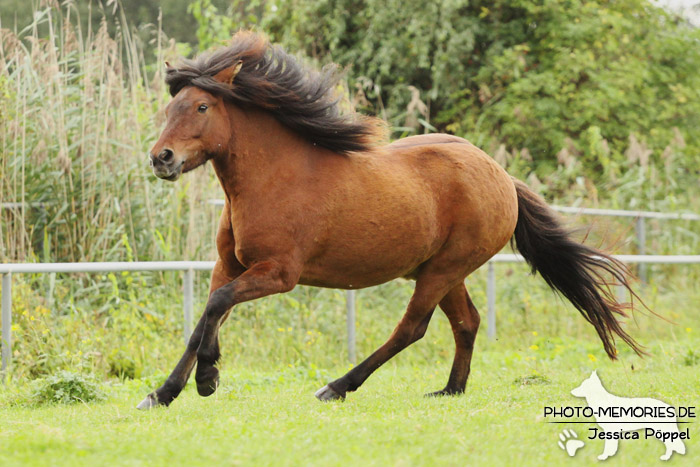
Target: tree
[530,74]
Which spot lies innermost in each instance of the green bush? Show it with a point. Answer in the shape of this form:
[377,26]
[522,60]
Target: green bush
[124,366]
[540,75]
[691,358]
[66,387]
[530,380]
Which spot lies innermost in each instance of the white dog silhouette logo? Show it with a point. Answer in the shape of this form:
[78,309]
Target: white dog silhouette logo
[619,415]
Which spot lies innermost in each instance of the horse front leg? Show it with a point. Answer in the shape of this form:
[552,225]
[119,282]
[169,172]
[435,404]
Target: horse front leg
[261,279]
[177,380]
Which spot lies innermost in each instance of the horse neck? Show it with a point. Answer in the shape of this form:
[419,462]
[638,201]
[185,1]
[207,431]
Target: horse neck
[261,151]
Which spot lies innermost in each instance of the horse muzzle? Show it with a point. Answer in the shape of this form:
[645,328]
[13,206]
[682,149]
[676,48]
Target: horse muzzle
[165,166]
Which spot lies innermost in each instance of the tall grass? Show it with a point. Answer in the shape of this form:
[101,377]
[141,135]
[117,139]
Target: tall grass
[80,110]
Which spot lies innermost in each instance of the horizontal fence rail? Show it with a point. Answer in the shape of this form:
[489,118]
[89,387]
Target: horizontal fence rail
[630,259]
[588,211]
[130,266]
[623,213]
[6,270]
[640,225]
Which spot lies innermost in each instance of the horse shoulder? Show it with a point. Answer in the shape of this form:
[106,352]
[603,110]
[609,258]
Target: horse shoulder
[226,243]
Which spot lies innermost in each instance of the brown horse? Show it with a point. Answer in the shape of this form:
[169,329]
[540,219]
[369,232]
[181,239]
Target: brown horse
[313,198]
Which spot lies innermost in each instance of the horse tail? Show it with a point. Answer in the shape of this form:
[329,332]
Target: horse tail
[572,269]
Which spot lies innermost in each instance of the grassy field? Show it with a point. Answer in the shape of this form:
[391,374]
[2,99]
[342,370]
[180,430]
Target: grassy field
[269,416]
[278,351]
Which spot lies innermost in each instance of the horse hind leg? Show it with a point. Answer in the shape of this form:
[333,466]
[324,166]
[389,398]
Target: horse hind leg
[464,319]
[429,291]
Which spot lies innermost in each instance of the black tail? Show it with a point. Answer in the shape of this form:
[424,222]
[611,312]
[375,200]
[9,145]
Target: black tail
[574,270]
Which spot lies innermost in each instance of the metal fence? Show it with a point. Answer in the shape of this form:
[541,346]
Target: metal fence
[639,227]
[511,258]
[6,270]
[189,267]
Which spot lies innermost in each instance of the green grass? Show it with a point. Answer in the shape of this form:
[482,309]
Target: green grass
[278,351]
[270,417]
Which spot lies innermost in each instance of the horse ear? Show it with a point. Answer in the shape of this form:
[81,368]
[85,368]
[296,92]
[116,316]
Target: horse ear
[227,75]
[167,64]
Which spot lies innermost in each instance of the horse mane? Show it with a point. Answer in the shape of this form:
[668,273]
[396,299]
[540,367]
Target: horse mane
[300,97]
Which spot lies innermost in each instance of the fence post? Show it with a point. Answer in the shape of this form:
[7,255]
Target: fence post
[188,302]
[621,293]
[641,244]
[491,300]
[350,307]
[6,323]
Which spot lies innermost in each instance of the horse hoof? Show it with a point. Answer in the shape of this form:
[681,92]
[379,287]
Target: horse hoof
[148,403]
[208,387]
[326,393]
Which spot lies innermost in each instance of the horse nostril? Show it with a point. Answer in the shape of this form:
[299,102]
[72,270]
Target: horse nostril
[166,155]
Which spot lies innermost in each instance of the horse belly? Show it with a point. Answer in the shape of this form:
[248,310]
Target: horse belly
[358,270]
[370,249]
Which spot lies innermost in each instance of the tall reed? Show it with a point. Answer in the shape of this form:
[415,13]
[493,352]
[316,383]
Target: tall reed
[79,111]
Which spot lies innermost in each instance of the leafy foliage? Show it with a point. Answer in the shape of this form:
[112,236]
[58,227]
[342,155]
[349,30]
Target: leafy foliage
[529,74]
[66,387]
[691,358]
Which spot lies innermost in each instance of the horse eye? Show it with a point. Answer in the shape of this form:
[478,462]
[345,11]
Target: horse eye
[202,108]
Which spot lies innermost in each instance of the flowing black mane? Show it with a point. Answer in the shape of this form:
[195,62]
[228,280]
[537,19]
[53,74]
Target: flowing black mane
[298,96]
